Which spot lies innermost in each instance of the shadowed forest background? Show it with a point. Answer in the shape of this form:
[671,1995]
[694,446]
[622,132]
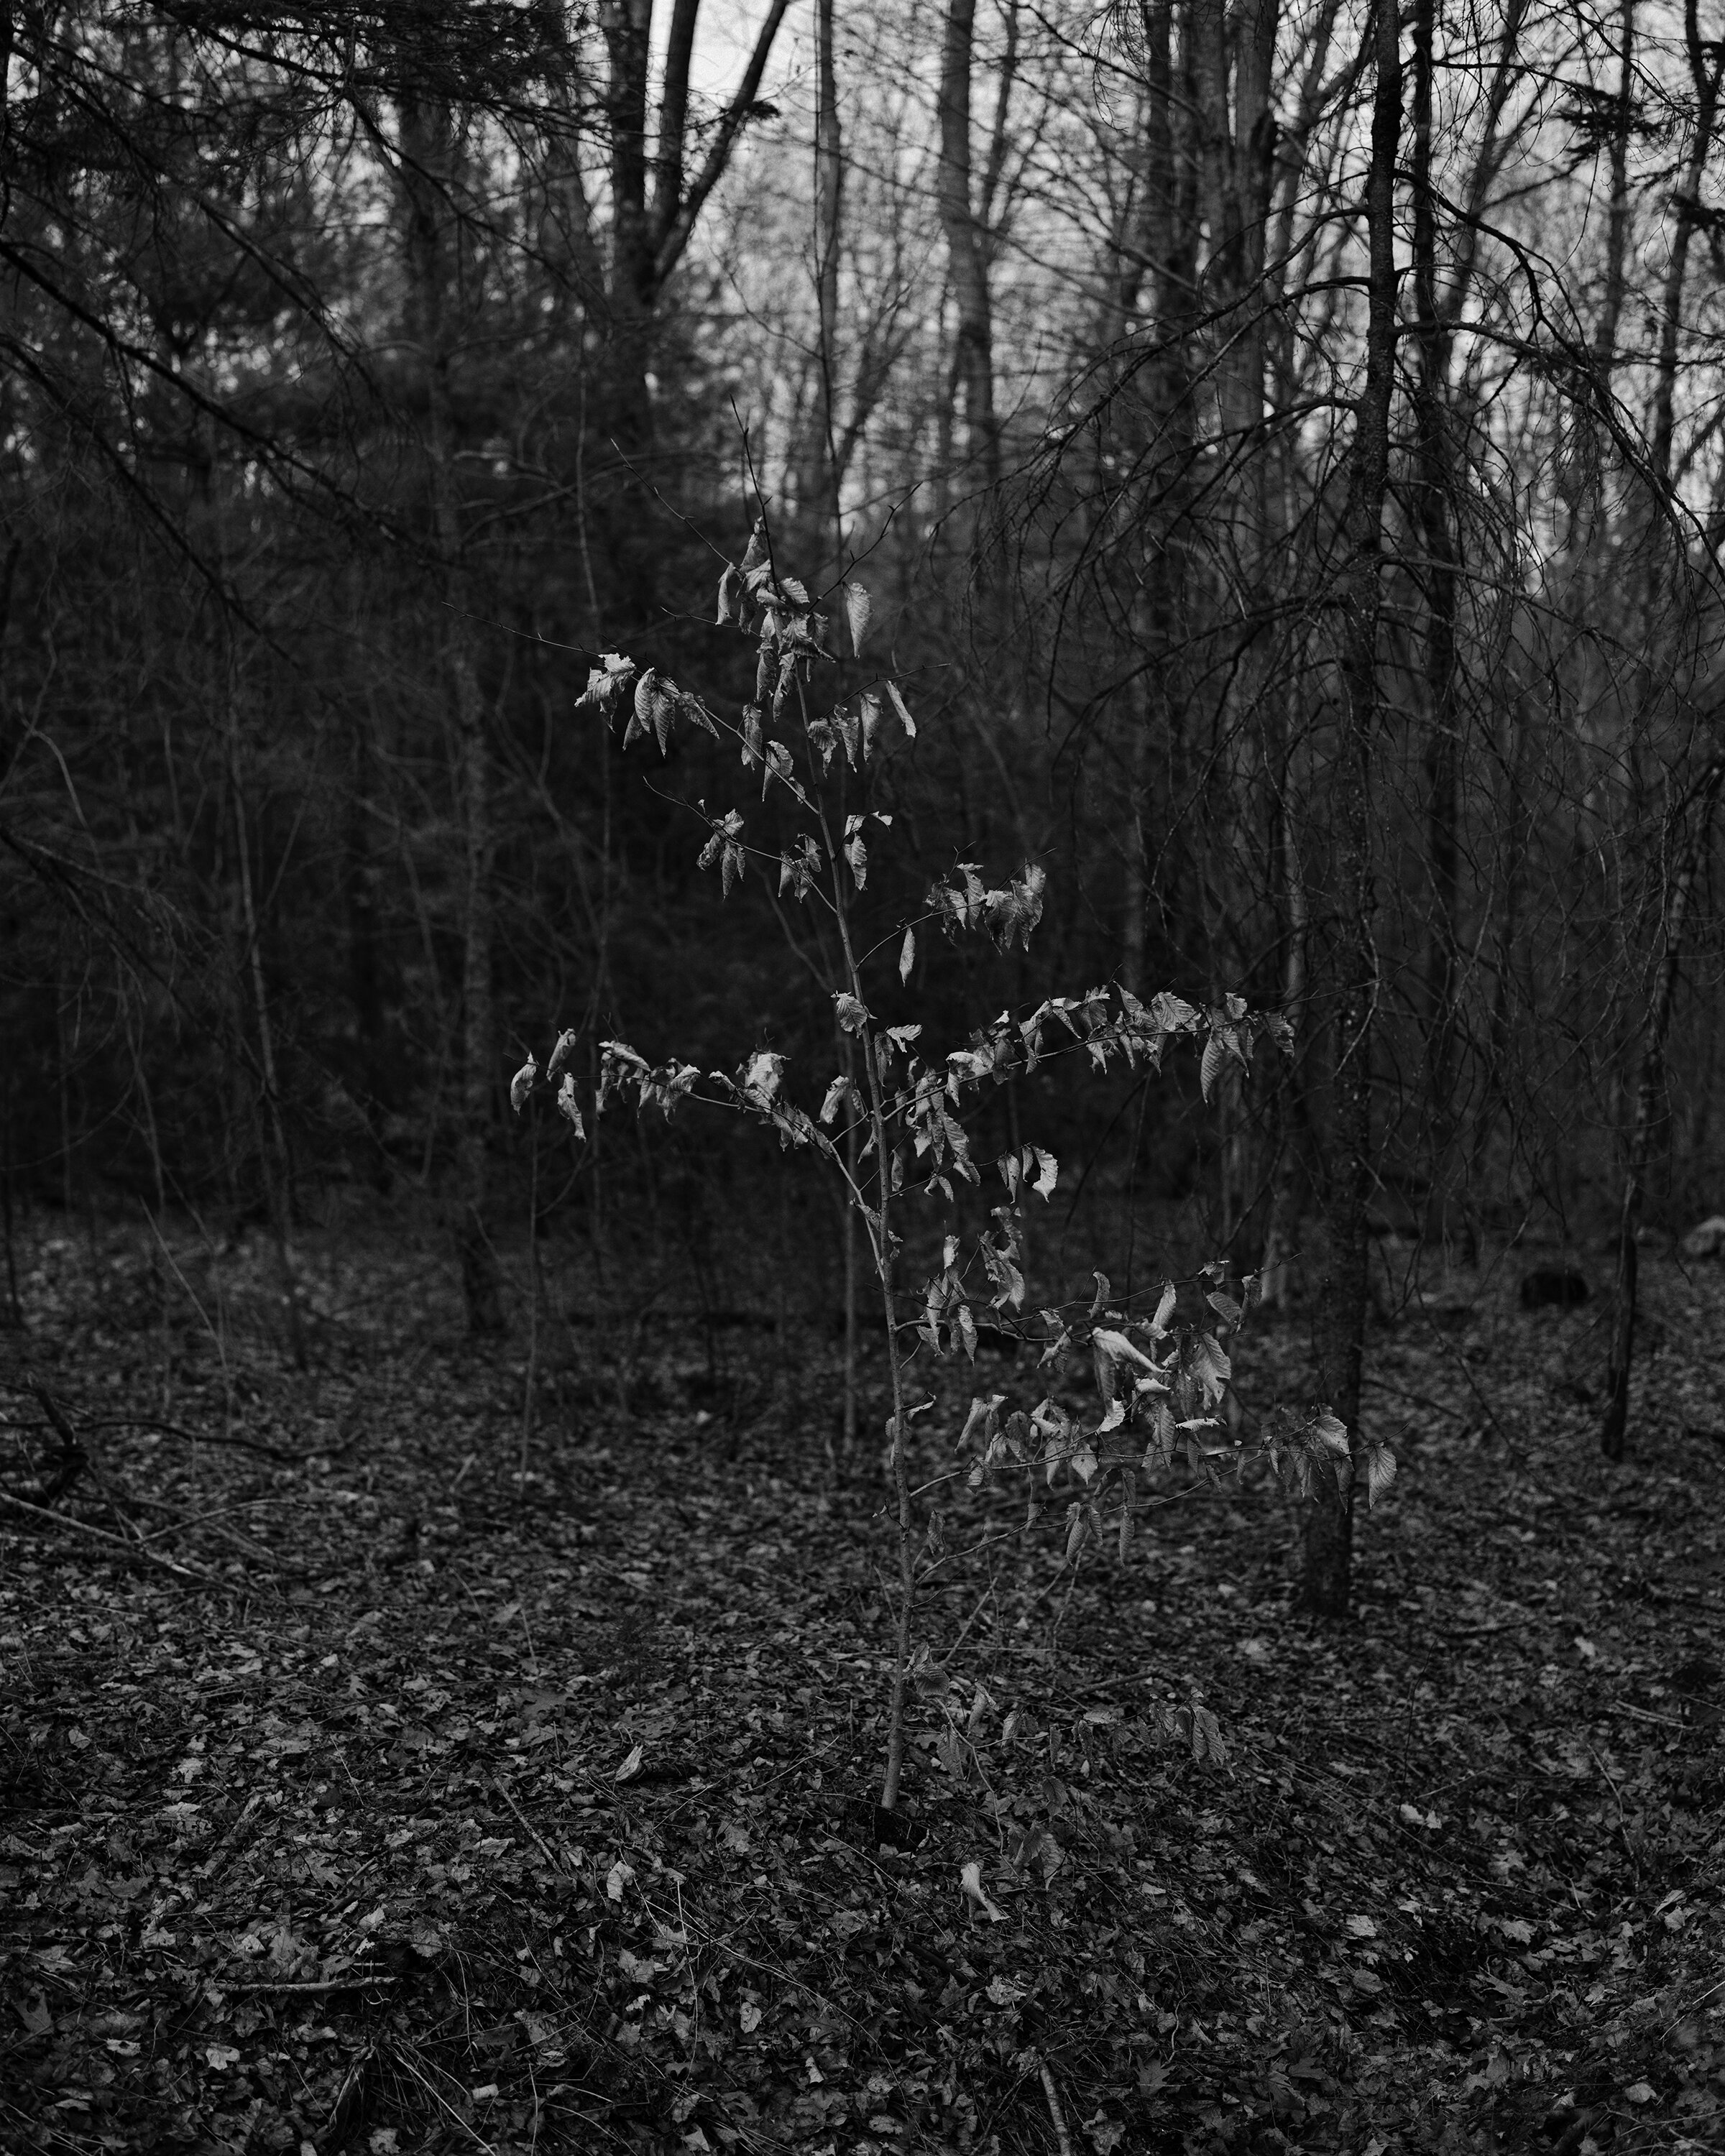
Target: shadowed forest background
[1283,447]
[369,373]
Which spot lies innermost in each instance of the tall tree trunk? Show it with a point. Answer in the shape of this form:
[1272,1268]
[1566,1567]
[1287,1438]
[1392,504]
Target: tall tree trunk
[1618,225]
[1706,63]
[1648,1092]
[1231,60]
[275,1157]
[828,202]
[631,303]
[372,1077]
[627,26]
[968,239]
[1164,254]
[427,140]
[650,233]
[1328,1553]
[1433,495]
[1516,824]
[1288,1109]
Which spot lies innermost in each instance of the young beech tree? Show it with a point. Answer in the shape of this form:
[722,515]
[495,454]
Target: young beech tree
[1160,1375]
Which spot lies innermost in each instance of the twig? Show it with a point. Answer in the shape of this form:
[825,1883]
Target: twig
[195,1437]
[218,1850]
[181,1519]
[63,1429]
[1416,1399]
[987,1593]
[1055,2112]
[1456,1782]
[725,1941]
[1641,1714]
[1445,1347]
[1623,1835]
[362,1980]
[174,1430]
[438,2096]
[219,1337]
[550,1856]
[134,1551]
[1611,1782]
[247,1545]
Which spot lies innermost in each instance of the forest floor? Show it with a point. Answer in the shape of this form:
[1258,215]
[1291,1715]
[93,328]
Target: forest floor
[362,1796]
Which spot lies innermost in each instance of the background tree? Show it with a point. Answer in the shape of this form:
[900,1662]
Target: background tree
[361,387]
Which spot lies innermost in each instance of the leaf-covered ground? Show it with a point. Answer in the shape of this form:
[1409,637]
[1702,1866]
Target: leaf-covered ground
[361,1797]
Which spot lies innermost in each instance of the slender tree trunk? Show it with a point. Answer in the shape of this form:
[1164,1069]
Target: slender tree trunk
[1135,860]
[373,1078]
[1515,823]
[1288,1110]
[1328,1553]
[853,1293]
[1163,253]
[1618,224]
[1439,572]
[649,235]
[279,1174]
[432,219]
[1230,56]
[481,1275]
[14,1305]
[1707,62]
[626,28]
[829,204]
[1648,1093]
[967,251]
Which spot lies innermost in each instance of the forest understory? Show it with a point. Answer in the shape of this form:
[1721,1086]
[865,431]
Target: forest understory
[362,1792]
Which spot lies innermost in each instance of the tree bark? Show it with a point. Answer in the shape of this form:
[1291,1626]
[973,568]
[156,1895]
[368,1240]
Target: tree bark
[967,250]
[828,209]
[429,170]
[1230,57]
[1706,63]
[1618,224]
[626,26]
[1615,1426]
[1328,1567]
[1439,570]
[650,235]
[1161,254]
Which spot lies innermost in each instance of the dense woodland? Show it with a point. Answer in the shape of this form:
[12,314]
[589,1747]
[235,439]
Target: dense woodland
[1226,499]
[1284,468]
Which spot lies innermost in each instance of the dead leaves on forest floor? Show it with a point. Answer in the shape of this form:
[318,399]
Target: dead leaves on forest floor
[354,1802]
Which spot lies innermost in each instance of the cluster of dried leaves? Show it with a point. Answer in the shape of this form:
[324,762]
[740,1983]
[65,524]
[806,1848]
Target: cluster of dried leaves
[362,1796]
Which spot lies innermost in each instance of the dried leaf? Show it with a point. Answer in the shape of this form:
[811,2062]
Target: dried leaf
[859,610]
